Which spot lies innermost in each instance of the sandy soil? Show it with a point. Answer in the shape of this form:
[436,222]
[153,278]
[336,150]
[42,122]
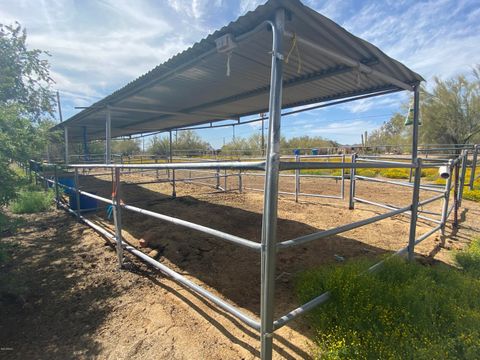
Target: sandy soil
[69,299]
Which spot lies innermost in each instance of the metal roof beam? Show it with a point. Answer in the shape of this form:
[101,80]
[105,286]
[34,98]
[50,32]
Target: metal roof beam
[355,64]
[315,76]
[167,112]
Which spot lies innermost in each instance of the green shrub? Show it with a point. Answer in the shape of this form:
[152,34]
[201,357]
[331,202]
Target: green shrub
[9,225]
[367,172]
[473,195]
[28,202]
[5,252]
[395,173]
[469,259]
[403,311]
[315,172]
[430,174]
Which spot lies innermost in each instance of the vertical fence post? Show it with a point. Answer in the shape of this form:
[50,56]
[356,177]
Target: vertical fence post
[35,173]
[77,193]
[297,179]
[225,181]
[418,173]
[65,134]
[108,136]
[352,183]
[174,190]
[57,195]
[462,176]
[30,162]
[270,203]
[217,175]
[455,195]
[474,165]
[240,181]
[342,189]
[44,177]
[117,216]
[448,186]
[414,209]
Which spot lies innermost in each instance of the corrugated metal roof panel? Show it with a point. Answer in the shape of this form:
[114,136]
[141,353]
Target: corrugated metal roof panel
[193,87]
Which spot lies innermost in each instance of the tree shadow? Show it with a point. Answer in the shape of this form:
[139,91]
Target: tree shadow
[48,309]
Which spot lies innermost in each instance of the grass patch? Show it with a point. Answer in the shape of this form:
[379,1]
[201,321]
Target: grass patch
[8,225]
[28,202]
[430,174]
[469,259]
[395,173]
[473,195]
[315,172]
[404,311]
[5,251]
[367,172]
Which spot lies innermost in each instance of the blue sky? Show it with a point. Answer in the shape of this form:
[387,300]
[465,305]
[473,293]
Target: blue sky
[99,46]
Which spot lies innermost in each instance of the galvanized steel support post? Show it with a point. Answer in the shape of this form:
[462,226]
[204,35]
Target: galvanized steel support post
[416,118]
[448,186]
[77,194]
[297,179]
[463,173]
[414,209]
[240,181]
[170,154]
[65,134]
[57,193]
[270,202]
[351,205]
[456,194]
[117,216]
[476,149]
[418,172]
[108,136]
[225,180]
[342,189]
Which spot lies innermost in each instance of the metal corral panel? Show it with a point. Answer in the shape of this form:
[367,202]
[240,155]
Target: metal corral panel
[193,87]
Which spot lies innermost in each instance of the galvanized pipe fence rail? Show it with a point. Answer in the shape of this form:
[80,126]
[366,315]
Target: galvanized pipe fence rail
[44,173]
[272,165]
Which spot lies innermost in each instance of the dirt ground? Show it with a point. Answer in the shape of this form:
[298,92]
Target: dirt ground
[69,300]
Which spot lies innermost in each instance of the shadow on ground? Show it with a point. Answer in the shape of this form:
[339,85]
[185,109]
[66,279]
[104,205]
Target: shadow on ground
[47,310]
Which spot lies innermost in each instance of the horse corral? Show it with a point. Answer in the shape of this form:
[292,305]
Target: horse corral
[236,232]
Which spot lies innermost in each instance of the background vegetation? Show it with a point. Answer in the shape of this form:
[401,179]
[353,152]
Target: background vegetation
[403,311]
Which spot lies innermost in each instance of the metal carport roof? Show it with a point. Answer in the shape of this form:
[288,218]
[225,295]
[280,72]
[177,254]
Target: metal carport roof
[326,62]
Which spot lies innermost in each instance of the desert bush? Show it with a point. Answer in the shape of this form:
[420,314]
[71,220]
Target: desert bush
[395,173]
[367,172]
[469,259]
[473,195]
[28,202]
[404,311]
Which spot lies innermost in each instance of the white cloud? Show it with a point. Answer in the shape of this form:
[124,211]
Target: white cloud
[392,101]
[249,5]
[436,37]
[98,47]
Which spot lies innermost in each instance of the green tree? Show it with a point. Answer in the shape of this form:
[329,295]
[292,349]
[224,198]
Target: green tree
[25,102]
[392,133]
[306,142]
[25,74]
[186,143]
[159,145]
[126,147]
[244,146]
[451,111]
